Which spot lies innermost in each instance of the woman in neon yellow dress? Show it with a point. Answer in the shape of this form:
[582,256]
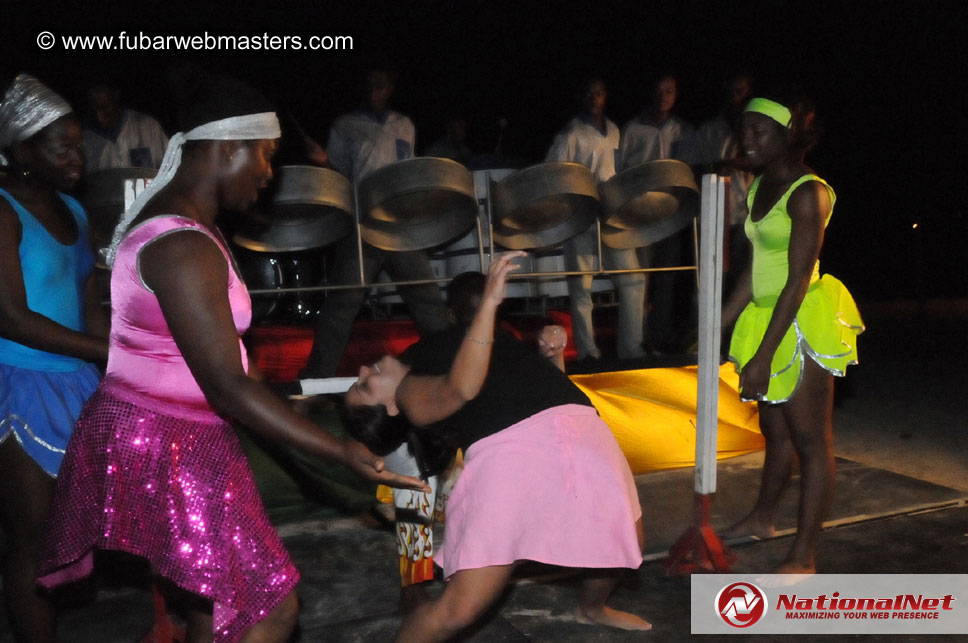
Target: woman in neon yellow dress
[796,329]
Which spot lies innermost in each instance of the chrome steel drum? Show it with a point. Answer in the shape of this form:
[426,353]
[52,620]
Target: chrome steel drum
[464,254]
[312,208]
[260,270]
[416,204]
[648,203]
[271,270]
[544,205]
[103,199]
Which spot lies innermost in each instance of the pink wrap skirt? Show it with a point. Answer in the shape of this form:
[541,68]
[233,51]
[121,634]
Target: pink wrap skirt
[554,488]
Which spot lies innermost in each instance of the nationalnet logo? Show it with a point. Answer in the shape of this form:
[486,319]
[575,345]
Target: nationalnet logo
[863,607]
[741,604]
[910,604]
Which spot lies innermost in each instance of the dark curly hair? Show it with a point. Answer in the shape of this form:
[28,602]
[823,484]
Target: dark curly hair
[383,433]
[374,427]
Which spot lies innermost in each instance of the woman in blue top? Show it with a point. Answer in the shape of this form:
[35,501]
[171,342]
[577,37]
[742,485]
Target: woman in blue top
[51,324]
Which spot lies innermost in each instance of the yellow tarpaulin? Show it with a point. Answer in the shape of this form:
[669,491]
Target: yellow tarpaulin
[652,413]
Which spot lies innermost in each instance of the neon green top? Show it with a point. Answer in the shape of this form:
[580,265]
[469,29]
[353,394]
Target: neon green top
[827,323]
[770,237]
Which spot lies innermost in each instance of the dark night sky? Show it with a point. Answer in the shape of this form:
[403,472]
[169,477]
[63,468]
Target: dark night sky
[888,77]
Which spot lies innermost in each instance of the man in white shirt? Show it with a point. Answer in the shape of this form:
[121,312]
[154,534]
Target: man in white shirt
[593,140]
[360,142]
[119,137]
[657,134]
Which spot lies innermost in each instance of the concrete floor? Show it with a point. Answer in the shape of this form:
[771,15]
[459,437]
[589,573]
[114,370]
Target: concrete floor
[901,507]
[881,522]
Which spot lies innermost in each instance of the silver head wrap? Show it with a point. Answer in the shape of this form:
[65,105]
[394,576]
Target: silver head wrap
[28,107]
[264,125]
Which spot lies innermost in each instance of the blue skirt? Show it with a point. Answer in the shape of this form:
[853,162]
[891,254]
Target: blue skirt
[39,409]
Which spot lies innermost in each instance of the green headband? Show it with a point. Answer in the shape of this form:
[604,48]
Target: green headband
[774,110]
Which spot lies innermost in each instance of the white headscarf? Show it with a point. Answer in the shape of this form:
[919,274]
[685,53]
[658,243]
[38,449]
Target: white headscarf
[264,125]
[28,107]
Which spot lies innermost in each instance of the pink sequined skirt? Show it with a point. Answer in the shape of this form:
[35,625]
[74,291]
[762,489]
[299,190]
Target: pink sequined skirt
[554,488]
[172,486]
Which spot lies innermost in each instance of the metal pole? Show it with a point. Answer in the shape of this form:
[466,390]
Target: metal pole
[480,229]
[710,327]
[598,238]
[359,231]
[695,248]
[438,280]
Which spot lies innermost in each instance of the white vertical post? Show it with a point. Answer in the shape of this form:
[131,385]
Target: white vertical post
[710,323]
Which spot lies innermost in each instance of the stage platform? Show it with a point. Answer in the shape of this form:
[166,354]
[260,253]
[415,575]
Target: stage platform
[880,522]
[900,507]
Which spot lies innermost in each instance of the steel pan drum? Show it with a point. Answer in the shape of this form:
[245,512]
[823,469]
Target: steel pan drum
[464,254]
[416,204]
[312,208]
[103,199]
[648,203]
[544,205]
[268,270]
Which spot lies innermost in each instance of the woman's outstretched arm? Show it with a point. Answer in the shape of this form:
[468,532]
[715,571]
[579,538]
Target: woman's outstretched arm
[428,399]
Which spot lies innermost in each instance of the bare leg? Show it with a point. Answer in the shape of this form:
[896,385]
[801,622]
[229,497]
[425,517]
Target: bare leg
[777,468]
[413,595]
[810,416]
[25,496]
[469,593]
[277,627]
[595,590]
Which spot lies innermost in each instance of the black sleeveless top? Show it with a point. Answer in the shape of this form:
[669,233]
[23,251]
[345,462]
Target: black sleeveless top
[519,384]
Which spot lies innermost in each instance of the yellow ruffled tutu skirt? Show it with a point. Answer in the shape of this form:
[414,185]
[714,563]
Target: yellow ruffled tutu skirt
[825,330]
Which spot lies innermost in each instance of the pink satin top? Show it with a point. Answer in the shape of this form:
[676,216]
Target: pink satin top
[142,354]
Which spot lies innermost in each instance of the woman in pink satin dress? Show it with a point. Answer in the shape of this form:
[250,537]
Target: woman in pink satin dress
[155,468]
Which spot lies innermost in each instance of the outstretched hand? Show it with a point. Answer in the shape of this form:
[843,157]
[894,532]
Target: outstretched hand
[497,275]
[364,462]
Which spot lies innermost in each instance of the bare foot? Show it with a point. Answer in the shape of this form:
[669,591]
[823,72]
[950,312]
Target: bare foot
[612,618]
[749,526]
[795,567]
